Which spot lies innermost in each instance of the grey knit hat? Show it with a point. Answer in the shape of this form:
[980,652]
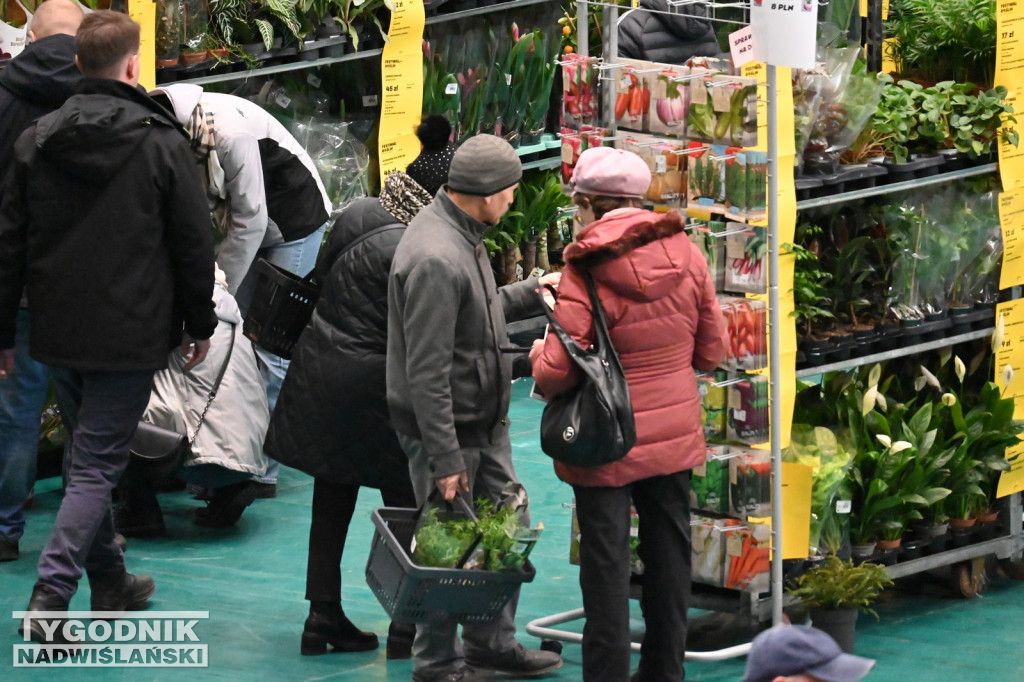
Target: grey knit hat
[484,165]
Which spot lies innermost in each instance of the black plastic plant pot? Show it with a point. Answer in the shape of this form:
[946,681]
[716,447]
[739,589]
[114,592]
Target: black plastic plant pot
[888,335]
[912,549]
[952,160]
[806,187]
[860,176]
[935,326]
[960,318]
[821,164]
[918,167]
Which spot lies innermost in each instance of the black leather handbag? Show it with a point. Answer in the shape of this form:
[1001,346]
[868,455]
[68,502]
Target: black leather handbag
[156,452]
[592,423]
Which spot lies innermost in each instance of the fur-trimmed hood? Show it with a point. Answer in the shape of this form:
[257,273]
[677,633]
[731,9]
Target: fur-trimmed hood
[639,254]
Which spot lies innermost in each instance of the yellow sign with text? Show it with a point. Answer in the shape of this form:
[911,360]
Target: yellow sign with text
[797,481]
[1010,74]
[143,12]
[401,88]
[1011,222]
[1012,481]
[1008,346]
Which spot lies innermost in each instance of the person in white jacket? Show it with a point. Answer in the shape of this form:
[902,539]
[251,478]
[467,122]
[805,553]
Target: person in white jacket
[267,197]
[228,447]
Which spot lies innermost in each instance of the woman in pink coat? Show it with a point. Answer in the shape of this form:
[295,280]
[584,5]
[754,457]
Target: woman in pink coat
[664,321]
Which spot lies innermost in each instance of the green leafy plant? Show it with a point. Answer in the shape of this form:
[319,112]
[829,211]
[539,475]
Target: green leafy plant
[245,21]
[944,39]
[838,584]
[810,285]
[352,15]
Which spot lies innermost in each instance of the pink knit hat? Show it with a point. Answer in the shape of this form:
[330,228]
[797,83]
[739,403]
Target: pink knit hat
[608,172]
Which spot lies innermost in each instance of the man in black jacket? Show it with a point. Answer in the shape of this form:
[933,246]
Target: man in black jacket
[36,82]
[104,220]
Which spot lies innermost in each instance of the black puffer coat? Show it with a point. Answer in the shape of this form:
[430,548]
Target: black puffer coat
[331,420]
[667,38]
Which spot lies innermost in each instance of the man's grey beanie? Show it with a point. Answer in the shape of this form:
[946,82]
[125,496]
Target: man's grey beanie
[484,165]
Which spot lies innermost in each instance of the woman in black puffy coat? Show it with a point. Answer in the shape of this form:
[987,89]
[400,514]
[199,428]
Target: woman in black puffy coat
[331,420]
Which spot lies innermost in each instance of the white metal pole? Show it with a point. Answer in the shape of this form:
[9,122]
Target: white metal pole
[774,370]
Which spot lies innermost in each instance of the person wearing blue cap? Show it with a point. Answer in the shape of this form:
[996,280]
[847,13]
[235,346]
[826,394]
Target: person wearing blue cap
[798,653]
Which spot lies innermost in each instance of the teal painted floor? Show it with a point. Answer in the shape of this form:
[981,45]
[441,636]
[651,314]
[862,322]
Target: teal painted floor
[251,579]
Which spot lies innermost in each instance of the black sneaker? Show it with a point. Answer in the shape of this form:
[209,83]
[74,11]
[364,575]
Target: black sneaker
[9,550]
[44,599]
[127,593]
[518,661]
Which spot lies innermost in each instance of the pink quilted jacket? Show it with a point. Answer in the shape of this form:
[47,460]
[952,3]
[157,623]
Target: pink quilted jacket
[664,320]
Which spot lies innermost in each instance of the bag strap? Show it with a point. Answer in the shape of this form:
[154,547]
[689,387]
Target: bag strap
[602,339]
[216,386]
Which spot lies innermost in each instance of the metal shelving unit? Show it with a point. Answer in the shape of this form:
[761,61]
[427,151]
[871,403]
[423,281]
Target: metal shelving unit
[880,190]
[327,61]
[895,353]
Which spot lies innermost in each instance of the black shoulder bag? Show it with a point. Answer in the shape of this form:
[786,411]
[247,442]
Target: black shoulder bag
[592,423]
[156,452]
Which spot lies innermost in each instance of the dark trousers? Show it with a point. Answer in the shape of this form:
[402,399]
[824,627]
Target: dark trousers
[333,506]
[101,411]
[663,505]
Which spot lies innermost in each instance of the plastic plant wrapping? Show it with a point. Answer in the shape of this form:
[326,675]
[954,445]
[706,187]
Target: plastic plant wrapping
[818,448]
[747,556]
[849,99]
[978,251]
[746,255]
[809,86]
[529,72]
[195,24]
[341,160]
[440,86]
[168,30]
[747,415]
[709,482]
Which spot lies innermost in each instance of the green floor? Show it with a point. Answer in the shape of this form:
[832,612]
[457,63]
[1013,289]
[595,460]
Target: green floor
[251,578]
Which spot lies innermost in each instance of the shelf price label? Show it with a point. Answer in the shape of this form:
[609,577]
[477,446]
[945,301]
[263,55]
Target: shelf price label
[1012,481]
[1011,221]
[1010,74]
[401,98]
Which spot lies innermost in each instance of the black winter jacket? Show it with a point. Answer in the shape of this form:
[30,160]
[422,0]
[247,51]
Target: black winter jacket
[331,419]
[34,83]
[104,219]
[667,38]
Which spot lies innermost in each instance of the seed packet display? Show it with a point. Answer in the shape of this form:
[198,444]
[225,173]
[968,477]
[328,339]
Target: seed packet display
[734,103]
[735,184]
[750,482]
[747,415]
[709,482]
[712,404]
[669,101]
[700,114]
[574,143]
[757,185]
[746,325]
[580,91]
[668,177]
[746,255]
[632,95]
[747,556]
[705,176]
[707,550]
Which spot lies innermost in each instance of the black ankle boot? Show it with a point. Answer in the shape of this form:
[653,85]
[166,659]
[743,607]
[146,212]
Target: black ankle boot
[43,599]
[327,624]
[400,636]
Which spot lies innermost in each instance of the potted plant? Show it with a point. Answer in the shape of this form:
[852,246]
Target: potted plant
[358,19]
[810,295]
[836,591]
[251,23]
[531,72]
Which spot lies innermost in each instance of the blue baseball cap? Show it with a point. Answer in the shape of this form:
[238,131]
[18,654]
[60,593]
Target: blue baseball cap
[799,649]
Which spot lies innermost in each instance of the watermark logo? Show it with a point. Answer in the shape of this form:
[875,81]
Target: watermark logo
[113,639]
